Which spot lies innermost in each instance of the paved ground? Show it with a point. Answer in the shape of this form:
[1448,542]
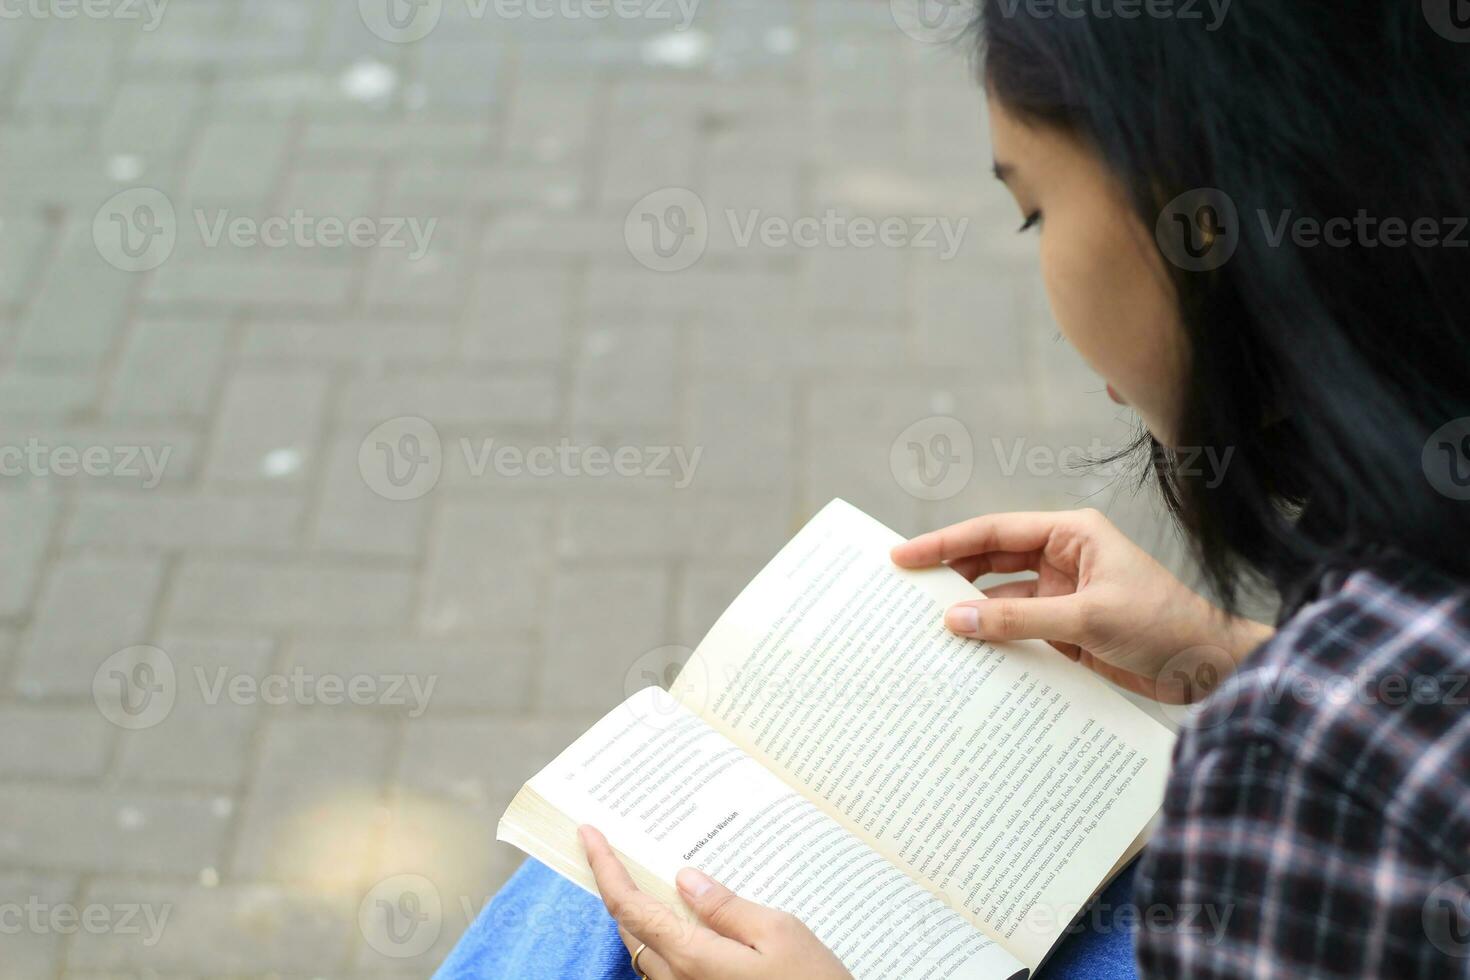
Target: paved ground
[337,364]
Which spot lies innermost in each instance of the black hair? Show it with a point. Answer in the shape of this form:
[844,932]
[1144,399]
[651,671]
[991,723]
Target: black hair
[1326,369]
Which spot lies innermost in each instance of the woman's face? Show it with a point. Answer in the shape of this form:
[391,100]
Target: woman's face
[1106,281]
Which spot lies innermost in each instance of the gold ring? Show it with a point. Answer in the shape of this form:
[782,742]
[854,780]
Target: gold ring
[637,953]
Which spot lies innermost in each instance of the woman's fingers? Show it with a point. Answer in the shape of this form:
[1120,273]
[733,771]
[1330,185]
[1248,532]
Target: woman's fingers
[970,568]
[1022,532]
[644,916]
[767,942]
[1056,618]
[999,562]
[1012,590]
[724,911]
[650,964]
[1027,590]
[685,947]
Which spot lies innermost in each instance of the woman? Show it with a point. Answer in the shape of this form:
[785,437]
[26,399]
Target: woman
[1253,229]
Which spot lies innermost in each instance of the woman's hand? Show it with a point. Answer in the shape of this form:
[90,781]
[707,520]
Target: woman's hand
[1097,597]
[733,940]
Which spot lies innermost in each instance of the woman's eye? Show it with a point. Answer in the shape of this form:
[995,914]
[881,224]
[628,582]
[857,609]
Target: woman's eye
[1032,220]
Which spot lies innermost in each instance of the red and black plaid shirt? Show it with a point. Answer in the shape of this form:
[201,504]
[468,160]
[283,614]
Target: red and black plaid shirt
[1319,807]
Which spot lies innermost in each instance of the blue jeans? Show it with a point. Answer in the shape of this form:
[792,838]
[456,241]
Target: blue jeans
[542,927]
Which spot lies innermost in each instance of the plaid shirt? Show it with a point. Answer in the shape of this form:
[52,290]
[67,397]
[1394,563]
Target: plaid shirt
[1319,806]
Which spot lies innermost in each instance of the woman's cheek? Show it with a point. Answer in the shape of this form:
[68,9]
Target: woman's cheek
[1076,298]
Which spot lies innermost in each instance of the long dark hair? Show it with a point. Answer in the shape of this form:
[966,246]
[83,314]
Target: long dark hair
[1325,370]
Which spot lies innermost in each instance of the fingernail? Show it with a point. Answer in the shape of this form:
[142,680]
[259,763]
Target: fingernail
[963,619]
[584,833]
[694,882]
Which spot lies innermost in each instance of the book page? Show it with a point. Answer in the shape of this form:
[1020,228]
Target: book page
[1007,778]
[668,792]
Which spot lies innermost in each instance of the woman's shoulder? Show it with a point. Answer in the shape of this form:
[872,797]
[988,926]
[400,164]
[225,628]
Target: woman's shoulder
[1366,687]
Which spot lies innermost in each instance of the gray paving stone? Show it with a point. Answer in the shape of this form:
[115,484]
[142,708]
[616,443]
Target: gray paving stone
[87,828]
[625,373]
[189,37]
[557,60]
[37,142]
[22,250]
[319,90]
[458,777]
[650,154]
[627,287]
[80,303]
[346,37]
[468,584]
[340,192]
[947,192]
[268,427]
[8,644]
[80,181]
[169,368]
[332,140]
[46,455]
[845,342]
[236,162]
[435,188]
[622,611]
[741,201]
[461,75]
[26,520]
[439,676]
[88,609]
[484,760]
[619,525]
[34,943]
[760,142]
[981,313]
[283,595]
[744,426]
[375,348]
[880,409]
[314,810]
[570,461]
[177,522]
[549,120]
[66,73]
[543,235]
[262,283]
[351,519]
[53,742]
[445,843]
[45,393]
[520,313]
[848,279]
[150,119]
[858,470]
[667,523]
[205,739]
[461,398]
[426,267]
[236,929]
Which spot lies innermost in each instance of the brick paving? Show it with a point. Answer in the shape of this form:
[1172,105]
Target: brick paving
[320,541]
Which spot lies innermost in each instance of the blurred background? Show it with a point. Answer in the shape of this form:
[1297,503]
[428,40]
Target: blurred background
[382,382]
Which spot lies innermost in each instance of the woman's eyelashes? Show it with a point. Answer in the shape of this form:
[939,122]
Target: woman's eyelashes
[1032,220]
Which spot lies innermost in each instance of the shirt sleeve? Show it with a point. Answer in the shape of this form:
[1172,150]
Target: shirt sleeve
[1261,868]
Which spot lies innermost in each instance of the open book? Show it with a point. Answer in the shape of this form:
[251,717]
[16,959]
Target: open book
[931,806]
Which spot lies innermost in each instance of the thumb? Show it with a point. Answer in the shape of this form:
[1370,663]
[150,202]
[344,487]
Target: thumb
[721,909]
[1055,618]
